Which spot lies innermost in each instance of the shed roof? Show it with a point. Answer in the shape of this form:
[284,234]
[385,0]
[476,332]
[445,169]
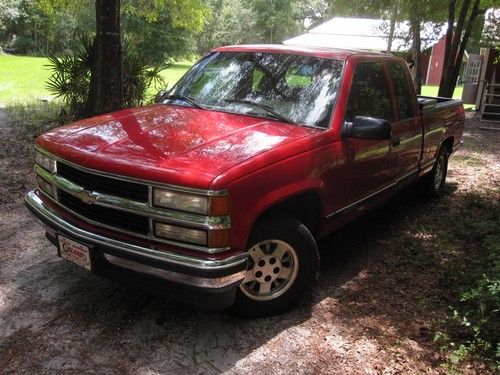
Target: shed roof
[358,33]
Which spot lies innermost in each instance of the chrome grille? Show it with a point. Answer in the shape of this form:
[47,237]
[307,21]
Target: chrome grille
[105,215]
[103,184]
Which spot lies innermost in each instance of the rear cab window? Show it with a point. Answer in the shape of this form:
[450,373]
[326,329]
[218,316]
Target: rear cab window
[402,90]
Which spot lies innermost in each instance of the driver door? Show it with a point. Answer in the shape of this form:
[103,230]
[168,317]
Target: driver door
[371,165]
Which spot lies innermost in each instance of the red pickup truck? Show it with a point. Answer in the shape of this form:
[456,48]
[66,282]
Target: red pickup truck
[219,193]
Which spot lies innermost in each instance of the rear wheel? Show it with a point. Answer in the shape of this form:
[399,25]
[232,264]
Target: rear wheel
[282,265]
[432,184]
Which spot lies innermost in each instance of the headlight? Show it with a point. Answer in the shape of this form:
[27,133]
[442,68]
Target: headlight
[180,201]
[171,232]
[198,204]
[45,162]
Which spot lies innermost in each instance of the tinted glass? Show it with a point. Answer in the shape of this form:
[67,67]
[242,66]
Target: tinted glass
[301,89]
[369,94]
[402,90]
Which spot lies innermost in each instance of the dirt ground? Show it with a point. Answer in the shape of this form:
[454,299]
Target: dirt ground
[383,291]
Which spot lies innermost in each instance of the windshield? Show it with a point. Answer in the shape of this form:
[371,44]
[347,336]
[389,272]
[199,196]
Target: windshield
[293,88]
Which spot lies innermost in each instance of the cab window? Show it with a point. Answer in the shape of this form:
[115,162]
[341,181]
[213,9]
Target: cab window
[401,87]
[369,95]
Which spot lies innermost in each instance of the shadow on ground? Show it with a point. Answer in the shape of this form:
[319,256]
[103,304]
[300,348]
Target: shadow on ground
[386,282]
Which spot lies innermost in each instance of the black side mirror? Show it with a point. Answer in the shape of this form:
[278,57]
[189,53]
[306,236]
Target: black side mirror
[365,127]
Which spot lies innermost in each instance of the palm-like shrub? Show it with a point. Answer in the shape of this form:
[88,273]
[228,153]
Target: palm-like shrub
[70,78]
[138,77]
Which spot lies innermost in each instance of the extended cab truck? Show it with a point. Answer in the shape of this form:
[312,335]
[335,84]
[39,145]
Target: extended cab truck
[220,192]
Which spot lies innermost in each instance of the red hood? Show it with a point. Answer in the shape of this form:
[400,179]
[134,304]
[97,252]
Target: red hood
[171,144]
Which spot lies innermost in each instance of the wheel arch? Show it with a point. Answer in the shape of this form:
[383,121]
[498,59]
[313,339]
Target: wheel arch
[304,206]
[448,143]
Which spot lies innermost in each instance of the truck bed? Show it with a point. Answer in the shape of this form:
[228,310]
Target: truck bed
[442,118]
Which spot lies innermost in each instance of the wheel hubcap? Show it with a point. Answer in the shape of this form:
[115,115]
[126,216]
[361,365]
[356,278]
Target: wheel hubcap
[273,266]
[438,175]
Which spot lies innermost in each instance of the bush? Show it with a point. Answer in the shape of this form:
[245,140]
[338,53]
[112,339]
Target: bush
[70,79]
[476,315]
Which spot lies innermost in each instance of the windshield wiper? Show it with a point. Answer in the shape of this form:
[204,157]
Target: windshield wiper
[261,106]
[186,99]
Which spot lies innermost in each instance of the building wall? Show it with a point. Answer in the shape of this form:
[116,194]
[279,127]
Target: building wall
[436,63]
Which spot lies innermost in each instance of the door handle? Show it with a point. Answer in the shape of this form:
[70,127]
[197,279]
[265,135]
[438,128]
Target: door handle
[396,141]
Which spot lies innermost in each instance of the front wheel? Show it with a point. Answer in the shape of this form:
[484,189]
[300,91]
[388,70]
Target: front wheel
[282,265]
[432,184]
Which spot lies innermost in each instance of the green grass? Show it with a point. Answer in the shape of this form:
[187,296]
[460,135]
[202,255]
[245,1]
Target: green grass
[22,79]
[175,71]
[171,75]
[433,91]
[457,94]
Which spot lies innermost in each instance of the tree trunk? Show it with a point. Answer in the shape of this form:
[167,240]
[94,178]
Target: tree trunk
[449,30]
[460,55]
[392,27]
[106,81]
[455,45]
[417,55]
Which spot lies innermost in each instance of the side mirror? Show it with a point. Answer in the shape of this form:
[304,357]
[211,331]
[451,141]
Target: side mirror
[365,127]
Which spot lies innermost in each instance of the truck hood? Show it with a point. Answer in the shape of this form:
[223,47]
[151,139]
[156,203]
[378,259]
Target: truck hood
[170,144]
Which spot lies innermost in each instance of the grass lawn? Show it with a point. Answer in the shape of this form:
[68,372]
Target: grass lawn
[22,78]
[433,91]
[175,71]
[457,94]
[171,75]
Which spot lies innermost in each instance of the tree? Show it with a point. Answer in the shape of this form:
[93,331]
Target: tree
[415,17]
[459,30]
[106,82]
[418,13]
[491,32]
[106,79]
[224,25]
[274,19]
[456,40]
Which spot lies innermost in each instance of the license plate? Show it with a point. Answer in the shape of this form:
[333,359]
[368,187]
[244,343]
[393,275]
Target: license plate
[75,252]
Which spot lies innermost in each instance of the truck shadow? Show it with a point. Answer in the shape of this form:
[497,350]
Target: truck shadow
[385,273]
[393,273]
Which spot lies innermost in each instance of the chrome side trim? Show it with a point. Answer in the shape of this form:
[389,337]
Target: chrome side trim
[208,283]
[133,179]
[128,205]
[150,236]
[360,201]
[57,223]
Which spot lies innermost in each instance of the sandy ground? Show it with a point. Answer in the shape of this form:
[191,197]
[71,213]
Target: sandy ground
[375,310]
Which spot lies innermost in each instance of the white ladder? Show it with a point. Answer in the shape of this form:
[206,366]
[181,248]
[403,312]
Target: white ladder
[490,107]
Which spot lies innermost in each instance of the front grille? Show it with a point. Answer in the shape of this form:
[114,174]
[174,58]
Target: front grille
[102,184]
[108,216]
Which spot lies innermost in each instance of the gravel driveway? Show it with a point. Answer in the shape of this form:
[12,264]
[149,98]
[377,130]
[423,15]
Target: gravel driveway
[373,311]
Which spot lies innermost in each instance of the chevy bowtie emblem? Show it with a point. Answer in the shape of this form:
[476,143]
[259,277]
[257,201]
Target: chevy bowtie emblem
[86,196]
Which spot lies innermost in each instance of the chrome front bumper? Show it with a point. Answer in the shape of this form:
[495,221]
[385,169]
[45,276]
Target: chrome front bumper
[173,267]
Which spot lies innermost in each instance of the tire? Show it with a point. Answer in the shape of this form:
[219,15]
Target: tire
[432,184]
[282,266]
